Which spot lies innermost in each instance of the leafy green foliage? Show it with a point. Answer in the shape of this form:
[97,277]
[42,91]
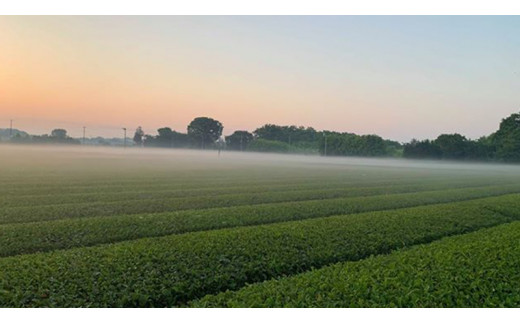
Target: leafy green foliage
[18,238]
[155,205]
[349,144]
[135,230]
[479,269]
[503,145]
[171,270]
[507,139]
[287,134]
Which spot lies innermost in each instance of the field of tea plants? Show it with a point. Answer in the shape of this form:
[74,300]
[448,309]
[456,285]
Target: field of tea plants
[85,227]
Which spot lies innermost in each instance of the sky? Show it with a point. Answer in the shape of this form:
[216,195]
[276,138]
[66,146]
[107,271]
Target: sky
[400,77]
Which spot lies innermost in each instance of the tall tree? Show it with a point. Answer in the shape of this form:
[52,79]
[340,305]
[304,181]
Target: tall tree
[507,139]
[59,133]
[204,130]
[138,136]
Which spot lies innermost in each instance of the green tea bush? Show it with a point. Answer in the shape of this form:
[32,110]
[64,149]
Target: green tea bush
[77,210]
[478,269]
[172,270]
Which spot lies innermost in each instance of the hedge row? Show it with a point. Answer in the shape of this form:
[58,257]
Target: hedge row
[478,269]
[160,192]
[51,186]
[75,210]
[172,270]
[20,238]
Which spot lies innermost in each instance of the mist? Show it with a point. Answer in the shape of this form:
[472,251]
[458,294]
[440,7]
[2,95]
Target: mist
[55,159]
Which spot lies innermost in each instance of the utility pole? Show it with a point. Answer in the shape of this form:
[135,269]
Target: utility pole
[220,141]
[84,134]
[11,129]
[124,140]
[325,150]
[241,138]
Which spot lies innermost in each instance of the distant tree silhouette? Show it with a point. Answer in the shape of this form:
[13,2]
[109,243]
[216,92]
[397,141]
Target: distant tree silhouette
[203,130]
[502,145]
[349,144]
[239,140]
[421,149]
[57,136]
[453,146]
[59,133]
[138,136]
[287,134]
[167,138]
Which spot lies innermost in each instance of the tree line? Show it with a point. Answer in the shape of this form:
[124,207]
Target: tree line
[206,133]
[57,136]
[502,145]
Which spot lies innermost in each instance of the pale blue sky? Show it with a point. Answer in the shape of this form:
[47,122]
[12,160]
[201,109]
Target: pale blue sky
[401,77]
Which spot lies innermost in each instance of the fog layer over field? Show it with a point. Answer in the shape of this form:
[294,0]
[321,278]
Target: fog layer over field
[108,227]
[102,160]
